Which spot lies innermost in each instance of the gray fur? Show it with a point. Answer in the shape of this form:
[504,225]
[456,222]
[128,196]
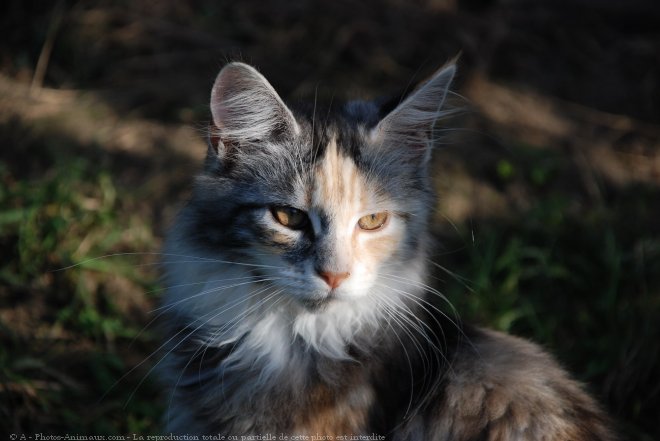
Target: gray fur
[256,343]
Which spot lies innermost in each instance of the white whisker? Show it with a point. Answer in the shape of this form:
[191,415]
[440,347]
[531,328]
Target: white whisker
[212,316]
[205,347]
[194,259]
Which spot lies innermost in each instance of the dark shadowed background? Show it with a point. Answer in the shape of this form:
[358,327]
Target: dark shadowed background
[548,181]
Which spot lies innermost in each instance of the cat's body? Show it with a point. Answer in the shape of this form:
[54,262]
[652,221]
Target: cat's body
[297,300]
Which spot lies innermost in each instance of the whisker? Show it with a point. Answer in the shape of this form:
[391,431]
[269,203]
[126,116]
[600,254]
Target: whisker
[222,311]
[204,349]
[430,390]
[194,260]
[463,280]
[182,285]
[429,289]
[403,347]
[153,353]
[169,306]
[212,290]
[434,291]
[408,311]
[161,347]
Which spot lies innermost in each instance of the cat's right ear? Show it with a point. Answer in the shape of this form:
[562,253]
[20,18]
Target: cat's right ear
[246,109]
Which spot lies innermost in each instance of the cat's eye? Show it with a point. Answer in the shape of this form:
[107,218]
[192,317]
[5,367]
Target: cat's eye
[290,217]
[374,221]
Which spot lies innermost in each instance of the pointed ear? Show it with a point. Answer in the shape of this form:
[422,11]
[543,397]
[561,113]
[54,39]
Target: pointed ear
[245,107]
[409,126]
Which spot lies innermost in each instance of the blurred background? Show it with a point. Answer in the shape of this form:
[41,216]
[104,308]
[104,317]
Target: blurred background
[548,181]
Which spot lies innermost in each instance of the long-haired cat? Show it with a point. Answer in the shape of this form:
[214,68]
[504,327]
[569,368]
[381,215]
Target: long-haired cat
[298,299]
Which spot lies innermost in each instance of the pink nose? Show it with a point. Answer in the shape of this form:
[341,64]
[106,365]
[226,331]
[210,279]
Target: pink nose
[333,279]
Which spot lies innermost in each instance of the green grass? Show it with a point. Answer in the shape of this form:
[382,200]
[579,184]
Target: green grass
[587,287]
[64,344]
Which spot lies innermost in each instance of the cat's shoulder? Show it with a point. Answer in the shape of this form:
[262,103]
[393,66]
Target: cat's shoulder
[502,387]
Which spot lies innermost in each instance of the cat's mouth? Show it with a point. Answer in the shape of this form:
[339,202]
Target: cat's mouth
[319,304]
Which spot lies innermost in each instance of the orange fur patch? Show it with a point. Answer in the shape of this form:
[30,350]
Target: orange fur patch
[331,414]
[341,190]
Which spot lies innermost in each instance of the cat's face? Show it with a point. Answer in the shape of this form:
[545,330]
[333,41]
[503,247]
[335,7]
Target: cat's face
[324,209]
[339,231]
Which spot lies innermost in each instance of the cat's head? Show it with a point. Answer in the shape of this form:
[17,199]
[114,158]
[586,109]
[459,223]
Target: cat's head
[327,206]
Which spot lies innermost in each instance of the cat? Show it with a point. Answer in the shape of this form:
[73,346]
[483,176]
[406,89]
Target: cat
[298,299]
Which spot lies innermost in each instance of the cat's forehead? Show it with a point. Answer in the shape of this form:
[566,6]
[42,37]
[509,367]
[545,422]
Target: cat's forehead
[339,133]
[338,185]
[341,176]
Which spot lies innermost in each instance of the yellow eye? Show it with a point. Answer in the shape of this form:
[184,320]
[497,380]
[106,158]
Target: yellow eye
[290,217]
[374,221]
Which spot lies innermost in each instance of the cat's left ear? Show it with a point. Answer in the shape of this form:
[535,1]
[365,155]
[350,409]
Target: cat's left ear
[409,126]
